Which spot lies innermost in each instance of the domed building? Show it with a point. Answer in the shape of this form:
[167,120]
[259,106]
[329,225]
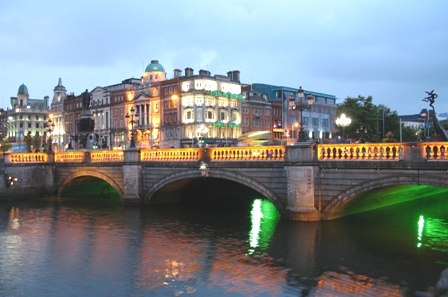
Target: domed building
[154,72]
[26,116]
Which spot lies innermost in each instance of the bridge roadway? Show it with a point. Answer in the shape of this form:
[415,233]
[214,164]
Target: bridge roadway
[304,181]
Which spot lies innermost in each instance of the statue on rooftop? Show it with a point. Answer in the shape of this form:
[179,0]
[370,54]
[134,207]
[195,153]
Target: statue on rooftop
[86,99]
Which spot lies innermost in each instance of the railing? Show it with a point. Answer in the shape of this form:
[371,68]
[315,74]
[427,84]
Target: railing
[435,151]
[361,151]
[27,158]
[256,153]
[188,154]
[107,156]
[418,151]
[73,157]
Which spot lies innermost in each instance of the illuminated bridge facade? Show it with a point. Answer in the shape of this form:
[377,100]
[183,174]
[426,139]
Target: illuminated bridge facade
[304,182]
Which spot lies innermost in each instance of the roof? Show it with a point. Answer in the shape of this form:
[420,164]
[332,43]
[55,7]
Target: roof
[23,90]
[155,66]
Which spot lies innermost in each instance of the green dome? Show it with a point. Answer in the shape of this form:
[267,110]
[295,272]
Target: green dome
[23,90]
[155,66]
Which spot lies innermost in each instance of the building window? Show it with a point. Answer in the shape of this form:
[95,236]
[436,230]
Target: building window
[306,120]
[324,123]
[325,110]
[315,108]
[210,115]
[315,122]
[278,94]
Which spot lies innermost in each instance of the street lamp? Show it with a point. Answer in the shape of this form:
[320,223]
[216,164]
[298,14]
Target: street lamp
[50,128]
[132,119]
[226,123]
[301,106]
[202,130]
[343,121]
[361,130]
[424,114]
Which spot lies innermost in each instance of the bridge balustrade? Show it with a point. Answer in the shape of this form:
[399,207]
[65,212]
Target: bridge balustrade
[435,151]
[257,153]
[431,151]
[107,156]
[187,154]
[27,158]
[361,152]
[71,157]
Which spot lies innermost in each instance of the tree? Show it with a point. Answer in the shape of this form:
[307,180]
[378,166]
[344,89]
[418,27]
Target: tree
[378,120]
[28,139]
[410,134]
[37,139]
[5,145]
[363,113]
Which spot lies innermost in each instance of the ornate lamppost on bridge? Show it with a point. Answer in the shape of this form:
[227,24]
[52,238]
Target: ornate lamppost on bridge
[362,131]
[50,127]
[301,106]
[202,130]
[343,121]
[132,119]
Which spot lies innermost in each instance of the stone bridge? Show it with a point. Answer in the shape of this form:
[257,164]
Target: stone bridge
[304,181]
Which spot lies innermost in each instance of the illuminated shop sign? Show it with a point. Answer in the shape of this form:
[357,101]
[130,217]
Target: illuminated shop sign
[226,94]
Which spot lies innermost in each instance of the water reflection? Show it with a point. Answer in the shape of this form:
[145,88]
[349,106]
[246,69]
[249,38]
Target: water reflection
[264,218]
[47,248]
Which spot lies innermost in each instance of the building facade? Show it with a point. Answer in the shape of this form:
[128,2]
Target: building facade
[318,119]
[27,119]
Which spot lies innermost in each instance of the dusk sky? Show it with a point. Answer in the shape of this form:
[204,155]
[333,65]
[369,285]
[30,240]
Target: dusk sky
[393,51]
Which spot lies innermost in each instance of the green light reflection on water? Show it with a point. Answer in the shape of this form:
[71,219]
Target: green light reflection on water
[421,225]
[264,218]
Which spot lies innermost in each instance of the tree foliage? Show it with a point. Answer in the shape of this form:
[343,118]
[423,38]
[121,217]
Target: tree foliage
[5,145]
[378,120]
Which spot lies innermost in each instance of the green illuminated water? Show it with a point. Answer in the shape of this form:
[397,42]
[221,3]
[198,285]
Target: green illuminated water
[233,247]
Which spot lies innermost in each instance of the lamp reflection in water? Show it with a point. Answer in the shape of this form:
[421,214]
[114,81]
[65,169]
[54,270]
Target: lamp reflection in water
[264,218]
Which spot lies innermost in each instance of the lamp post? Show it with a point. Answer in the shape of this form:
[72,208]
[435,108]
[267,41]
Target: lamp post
[226,123]
[202,130]
[50,128]
[301,106]
[424,114]
[343,121]
[361,130]
[132,119]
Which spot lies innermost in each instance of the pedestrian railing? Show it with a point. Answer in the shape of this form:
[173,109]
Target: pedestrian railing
[255,153]
[361,152]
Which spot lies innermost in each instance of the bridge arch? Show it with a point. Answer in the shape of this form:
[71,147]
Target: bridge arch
[89,173]
[220,174]
[383,182]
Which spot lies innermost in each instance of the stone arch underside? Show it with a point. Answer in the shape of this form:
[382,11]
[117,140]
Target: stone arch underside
[383,182]
[90,173]
[220,174]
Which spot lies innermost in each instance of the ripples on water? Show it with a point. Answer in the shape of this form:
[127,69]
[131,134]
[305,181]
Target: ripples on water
[74,248]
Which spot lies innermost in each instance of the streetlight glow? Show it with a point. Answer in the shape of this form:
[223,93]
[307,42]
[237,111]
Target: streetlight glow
[343,121]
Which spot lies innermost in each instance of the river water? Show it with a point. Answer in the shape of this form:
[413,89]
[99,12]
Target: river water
[79,247]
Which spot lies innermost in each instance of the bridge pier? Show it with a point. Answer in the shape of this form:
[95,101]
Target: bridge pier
[300,184]
[131,174]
